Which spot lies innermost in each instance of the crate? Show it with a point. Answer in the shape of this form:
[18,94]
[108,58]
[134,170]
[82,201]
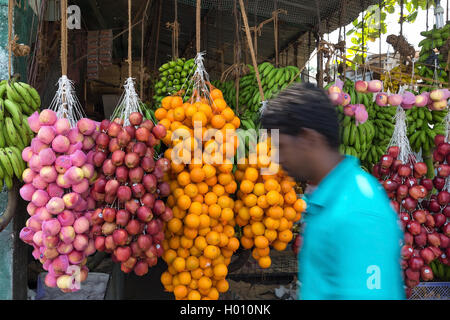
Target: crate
[431,291]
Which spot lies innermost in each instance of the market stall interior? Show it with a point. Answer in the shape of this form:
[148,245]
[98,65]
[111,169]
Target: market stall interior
[181,229]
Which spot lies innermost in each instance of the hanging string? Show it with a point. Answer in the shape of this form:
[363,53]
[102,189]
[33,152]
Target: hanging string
[10,30]
[379,34]
[130,58]
[64,37]
[197,22]
[427,13]
[275,30]
[362,38]
[401,17]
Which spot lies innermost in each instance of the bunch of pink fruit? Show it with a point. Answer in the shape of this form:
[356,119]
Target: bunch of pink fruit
[424,217]
[434,100]
[57,186]
[128,221]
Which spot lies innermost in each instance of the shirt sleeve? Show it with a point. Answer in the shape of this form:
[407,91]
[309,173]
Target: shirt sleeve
[366,256]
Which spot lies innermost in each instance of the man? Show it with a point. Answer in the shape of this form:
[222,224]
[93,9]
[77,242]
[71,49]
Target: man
[352,236]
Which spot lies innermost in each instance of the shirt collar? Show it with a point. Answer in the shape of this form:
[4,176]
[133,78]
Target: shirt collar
[326,188]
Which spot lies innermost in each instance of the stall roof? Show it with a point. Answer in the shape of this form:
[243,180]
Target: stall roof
[218,29]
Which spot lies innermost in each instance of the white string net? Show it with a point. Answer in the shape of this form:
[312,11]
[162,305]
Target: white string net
[129,102]
[200,78]
[65,102]
[400,138]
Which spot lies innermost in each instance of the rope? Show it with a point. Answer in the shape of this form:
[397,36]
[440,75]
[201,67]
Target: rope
[401,17]
[157,33]
[428,5]
[10,30]
[130,58]
[64,37]
[250,44]
[275,30]
[197,24]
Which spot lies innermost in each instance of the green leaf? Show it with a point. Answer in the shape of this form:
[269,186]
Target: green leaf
[355,41]
[412,17]
[355,22]
[350,32]
[390,9]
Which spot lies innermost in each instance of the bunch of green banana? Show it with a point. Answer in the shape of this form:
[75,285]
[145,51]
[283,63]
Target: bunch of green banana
[18,101]
[440,270]
[423,126]
[273,81]
[383,120]
[247,137]
[434,39]
[174,76]
[228,89]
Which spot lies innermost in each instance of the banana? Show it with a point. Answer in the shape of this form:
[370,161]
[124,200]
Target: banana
[14,162]
[14,110]
[6,164]
[18,156]
[11,93]
[8,182]
[2,109]
[23,93]
[11,131]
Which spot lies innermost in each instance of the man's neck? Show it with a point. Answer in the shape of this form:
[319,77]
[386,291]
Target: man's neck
[326,165]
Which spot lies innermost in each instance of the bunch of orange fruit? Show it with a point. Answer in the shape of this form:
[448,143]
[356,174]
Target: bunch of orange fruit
[267,205]
[200,239]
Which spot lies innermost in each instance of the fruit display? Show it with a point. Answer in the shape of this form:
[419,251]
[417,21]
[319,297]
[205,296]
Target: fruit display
[398,76]
[57,185]
[200,239]
[130,193]
[434,53]
[267,205]
[18,101]
[273,81]
[173,77]
[423,216]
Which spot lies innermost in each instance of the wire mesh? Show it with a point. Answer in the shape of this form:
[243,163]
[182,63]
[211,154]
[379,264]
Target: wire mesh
[431,291]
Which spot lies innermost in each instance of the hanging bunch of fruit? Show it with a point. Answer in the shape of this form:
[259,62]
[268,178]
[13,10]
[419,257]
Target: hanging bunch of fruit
[434,54]
[398,76]
[267,205]
[174,76]
[57,185]
[273,81]
[18,101]
[130,193]
[200,239]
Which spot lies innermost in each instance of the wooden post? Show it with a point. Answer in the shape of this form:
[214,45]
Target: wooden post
[197,24]
[250,44]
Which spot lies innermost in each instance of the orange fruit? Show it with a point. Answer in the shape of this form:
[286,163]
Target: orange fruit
[199,117]
[209,171]
[211,252]
[192,263]
[190,111]
[250,200]
[246,186]
[170,115]
[216,94]
[213,238]
[180,291]
[261,241]
[228,114]
[233,244]
[236,122]
[191,190]
[290,197]
[196,209]
[183,253]
[218,121]
[169,256]
[256,212]
[176,102]
[183,178]
[227,214]
[300,205]
[284,224]
[214,211]
[218,190]
[251,174]
[228,231]
[239,175]
[160,113]
[244,213]
[210,198]
[258,228]
[197,175]
[192,220]
[259,189]
[195,252]
[262,252]
[285,235]
[262,202]
[211,181]
[271,184]
[290,213]
[174,242]
[219,104]
[264,262]
[270,234]
[220,270]
[194,295]
[178,213]
[202,188]
[225,178]
[190,233]
[174,225]
[275,212]
[166,278]
[184,202]
[178,192]
[178,114]
[226,167]
[271,223]
[204,283]
[205,221]
[166,102]
[222,286]
[246,243]
[197,274]
[213,294]
[184,278]
[273,197]
[179,264]
[204,262]
[206,109]
[217,227]
[200,243]
[279,245]
[225,202]
[231,187]
[223,240]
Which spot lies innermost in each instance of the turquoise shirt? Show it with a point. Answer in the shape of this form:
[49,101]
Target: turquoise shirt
[351,241]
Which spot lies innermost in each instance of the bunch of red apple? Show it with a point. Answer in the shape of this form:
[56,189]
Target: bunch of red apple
[129,218]
[426,229]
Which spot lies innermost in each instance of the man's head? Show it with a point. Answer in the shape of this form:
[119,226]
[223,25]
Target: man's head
[309,129]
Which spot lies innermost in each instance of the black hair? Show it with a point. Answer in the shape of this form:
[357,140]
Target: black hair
[302,105]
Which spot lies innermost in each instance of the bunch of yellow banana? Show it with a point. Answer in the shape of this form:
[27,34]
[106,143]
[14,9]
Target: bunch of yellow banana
[398,76]
[18,101]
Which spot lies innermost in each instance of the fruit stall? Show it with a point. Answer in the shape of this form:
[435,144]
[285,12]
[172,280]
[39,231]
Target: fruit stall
[97,108]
